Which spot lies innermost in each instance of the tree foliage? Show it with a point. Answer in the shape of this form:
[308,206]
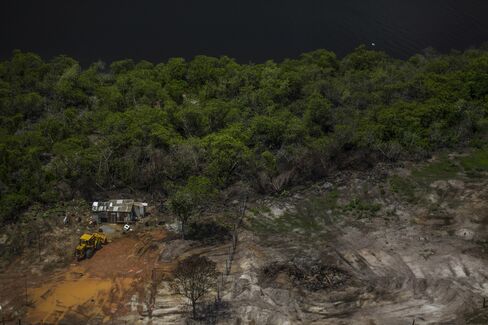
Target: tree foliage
[158,127]
[189,199]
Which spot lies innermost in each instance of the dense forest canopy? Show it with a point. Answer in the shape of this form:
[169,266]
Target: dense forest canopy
[69,131]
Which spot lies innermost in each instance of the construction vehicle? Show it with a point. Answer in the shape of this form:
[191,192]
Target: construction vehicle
[89,243]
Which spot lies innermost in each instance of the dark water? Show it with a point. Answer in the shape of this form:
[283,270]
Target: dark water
[246,30]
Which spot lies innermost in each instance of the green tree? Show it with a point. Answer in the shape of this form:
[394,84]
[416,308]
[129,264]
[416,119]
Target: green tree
[226,155]
[190,199]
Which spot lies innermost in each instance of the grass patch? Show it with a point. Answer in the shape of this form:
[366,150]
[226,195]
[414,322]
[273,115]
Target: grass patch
[310,216]
[404,187]
[260,210]
[475,164]
[444,169]
[412,188]
[297,222]
[361,208]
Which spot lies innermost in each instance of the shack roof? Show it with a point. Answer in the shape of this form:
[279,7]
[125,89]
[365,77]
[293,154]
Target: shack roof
[120,205]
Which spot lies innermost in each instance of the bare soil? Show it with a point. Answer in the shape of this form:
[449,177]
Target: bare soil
[413,254]
[94,290]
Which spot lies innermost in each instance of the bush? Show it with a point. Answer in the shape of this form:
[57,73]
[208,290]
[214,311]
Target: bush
[12,206]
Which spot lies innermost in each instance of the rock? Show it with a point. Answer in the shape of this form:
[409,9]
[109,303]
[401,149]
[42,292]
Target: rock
[440,185]
[327,186]
[466,234]
[457,184]
[235,202]
[174,227]
[277,212]
[433,197]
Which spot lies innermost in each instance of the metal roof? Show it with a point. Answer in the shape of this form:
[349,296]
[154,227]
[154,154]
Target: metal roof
[119,205]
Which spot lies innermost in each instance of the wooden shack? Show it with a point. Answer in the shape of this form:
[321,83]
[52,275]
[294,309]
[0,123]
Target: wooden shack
[118,211]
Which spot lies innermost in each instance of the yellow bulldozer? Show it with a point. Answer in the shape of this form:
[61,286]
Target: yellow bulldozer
[89,243]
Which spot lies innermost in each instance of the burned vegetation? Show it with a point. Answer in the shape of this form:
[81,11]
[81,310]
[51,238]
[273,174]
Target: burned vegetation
[208,232]
[311,275]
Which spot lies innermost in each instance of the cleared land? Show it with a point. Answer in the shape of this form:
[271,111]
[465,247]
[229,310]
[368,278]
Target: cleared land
[385,246]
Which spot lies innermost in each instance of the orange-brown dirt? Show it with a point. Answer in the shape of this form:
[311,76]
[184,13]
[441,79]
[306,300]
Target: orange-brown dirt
[99,288]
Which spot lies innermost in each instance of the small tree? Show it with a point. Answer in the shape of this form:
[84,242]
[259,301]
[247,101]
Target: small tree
[182,205]
[194,277]
[188,199]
